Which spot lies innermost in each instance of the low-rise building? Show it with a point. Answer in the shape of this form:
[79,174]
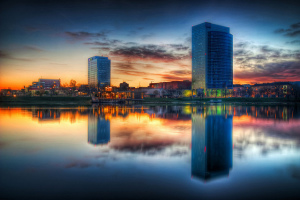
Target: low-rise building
[173,85]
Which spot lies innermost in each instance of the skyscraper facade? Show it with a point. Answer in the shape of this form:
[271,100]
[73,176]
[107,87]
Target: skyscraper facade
[98,72]
[212,51]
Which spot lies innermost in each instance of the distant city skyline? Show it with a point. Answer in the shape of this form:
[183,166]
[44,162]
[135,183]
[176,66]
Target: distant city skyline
[145,41]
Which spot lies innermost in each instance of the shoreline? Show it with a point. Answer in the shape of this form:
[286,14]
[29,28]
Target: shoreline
[86,101]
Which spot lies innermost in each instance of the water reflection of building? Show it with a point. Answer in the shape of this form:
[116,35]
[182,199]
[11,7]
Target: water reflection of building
[211,145]
[47,115]
[184,112]
[98,130]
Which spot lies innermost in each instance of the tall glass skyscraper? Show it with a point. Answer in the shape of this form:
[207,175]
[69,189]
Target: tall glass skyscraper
[212,48]
[98,72]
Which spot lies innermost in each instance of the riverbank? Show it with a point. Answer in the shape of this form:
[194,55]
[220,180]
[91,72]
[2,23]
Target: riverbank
[45,101]
[86,101]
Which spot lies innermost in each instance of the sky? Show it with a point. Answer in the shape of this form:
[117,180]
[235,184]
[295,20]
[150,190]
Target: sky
[146,41]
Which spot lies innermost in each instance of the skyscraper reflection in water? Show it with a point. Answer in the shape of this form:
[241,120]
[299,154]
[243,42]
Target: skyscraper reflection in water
[98,130]
[211,143]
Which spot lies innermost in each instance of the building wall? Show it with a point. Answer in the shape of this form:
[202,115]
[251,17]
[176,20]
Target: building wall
[211,57]
[92,73]
[199,59]
[99,72]
[219,71]
[173,85]
[49,83]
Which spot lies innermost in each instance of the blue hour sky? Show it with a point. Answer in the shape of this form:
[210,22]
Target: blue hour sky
[146,41]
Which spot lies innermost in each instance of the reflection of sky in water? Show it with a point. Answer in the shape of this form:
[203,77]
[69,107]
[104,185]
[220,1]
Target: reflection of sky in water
[147,151]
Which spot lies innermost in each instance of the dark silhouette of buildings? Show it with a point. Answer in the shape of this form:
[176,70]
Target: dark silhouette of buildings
[46,115]
[124,86]
[173,85]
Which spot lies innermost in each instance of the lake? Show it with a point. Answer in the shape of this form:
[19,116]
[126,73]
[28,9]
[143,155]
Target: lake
[217,151]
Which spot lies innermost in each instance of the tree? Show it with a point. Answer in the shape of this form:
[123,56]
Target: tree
[156,92]
[72,83]
[37,92]
[164,92]
[42,91]
[53,86]
[64,85]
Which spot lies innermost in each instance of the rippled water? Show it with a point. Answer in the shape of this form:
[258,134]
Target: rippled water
[150,152]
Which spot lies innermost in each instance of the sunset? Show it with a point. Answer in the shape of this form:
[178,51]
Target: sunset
[145,41]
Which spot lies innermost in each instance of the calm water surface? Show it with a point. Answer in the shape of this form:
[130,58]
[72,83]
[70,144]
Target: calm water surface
[139,152]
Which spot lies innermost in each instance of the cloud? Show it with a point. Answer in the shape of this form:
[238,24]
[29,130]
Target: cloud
[257,58]
[4,55]
[133,72]
[146,36]
[271,71]
[97,43]
[101,48]
[181,72]
[296,25]
[170,77]
[2,144]
[144,52]
[131,43]
[135,32]
[260,57]
[241,44]
[179,47]
[149,66]
[57,63]
[124,66]
[280,30]
[176,75]
[293,31]
[33,48]
[242,52]
[188,40]
[82,35]
[267,49]
[294,42]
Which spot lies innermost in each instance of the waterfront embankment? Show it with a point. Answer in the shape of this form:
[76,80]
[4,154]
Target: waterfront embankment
[86,101]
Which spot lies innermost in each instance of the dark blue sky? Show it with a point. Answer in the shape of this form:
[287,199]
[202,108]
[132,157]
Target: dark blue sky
[146,41]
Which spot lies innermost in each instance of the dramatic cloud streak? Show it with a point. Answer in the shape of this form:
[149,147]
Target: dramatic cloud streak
[293,31]
[4,55]
[81,35]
